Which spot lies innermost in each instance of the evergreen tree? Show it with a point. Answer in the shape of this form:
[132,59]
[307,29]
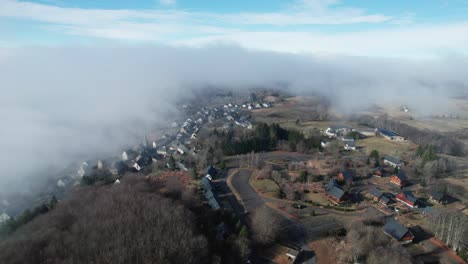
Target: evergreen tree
[244,232]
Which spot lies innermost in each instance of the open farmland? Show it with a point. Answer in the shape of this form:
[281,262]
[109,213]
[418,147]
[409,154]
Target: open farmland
[386,146]
[304,108]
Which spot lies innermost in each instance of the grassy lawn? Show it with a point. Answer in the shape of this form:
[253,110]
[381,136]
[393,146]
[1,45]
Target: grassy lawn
[317,198]
[266,186]
[386,147]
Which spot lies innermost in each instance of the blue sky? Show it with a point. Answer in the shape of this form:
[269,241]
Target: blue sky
[352,27]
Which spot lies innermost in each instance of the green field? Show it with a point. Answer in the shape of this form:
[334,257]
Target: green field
[386,147]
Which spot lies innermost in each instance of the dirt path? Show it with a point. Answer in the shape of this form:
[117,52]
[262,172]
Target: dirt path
[445,251]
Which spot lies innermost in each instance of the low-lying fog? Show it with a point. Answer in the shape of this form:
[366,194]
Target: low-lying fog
[66,102]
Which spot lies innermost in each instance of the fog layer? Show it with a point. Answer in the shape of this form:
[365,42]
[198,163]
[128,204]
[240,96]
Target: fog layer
[60,103]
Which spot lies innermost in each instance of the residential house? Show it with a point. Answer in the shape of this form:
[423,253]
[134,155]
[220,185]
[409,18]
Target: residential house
[4,217]
[211,172]
[437,197]
[324,143]
[428,211]
[398,232]
[350,145]
[381,197]
[388,134]
[346,176]
[83,169]
[366,132]
[393,161]
[182,149]
[162,150]
[377,172]
[334,192]
[210,194]
[124,156]
[293,254]
[399,180]
[407,198]
[337,130]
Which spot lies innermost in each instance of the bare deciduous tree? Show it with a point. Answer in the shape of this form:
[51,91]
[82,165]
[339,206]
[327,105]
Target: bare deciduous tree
[265,226]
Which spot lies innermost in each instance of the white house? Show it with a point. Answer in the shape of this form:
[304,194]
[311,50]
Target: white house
[338,130]
[124,156]
[4,217]
[60,183]
[82,169]
[182,149]
[350,145]
[100,165]
[393,161]
[136,166]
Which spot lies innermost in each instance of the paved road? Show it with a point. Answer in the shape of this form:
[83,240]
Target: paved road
[293,232]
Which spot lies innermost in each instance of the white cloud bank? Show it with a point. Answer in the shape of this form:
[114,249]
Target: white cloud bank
[274,33]
[60,103]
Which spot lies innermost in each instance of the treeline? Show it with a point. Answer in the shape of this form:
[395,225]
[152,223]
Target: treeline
[11,225]
[451,227]
[266,138]
[442,143]
[123,224]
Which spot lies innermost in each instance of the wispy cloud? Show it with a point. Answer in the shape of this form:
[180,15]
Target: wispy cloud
[167,2]
[295,28]
[108,23]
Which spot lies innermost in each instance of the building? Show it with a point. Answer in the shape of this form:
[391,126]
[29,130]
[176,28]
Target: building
[337,130]
[366,132]
[407,198]
[4,218]
[346,176]
[398,232]
[210,194]
[377,172]
[334,192]
[388,134]
[211,172]
[350,145]
[380,196]
[292,254]
[399,180]
[393,161]
[437,197]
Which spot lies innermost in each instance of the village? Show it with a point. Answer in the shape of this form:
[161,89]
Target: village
[334,174]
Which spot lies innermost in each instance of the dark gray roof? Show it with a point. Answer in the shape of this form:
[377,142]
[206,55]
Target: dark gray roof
[212,198]
[211,171]
[395,229]
[393,160]
[334,190]
[428,210]
[402,176]
[349,175]
[376,193]
[351,144]
[386,199]
[437,195]
[207,184]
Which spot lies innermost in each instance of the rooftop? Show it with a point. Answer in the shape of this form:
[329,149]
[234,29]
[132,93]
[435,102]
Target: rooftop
[392,159]
[395,229]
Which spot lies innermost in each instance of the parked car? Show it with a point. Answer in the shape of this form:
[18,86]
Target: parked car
[298,206]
